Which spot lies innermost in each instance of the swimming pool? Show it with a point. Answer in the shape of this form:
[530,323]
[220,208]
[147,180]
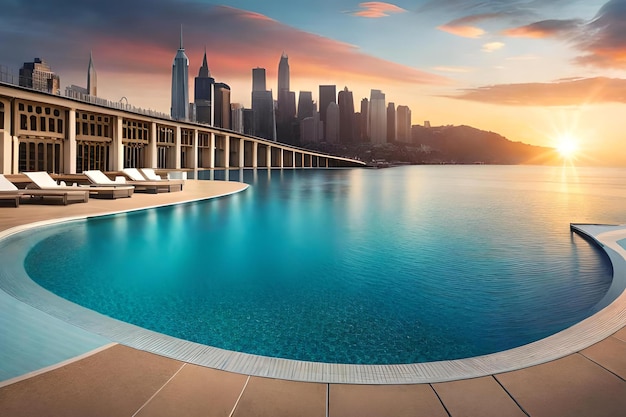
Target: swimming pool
[352,266]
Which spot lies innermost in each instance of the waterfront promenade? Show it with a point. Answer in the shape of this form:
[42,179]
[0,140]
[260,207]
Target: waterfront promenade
[117,380]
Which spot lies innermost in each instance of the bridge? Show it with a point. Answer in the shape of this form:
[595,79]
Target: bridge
[45,132]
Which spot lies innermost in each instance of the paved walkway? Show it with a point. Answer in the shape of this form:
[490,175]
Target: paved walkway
[120,381]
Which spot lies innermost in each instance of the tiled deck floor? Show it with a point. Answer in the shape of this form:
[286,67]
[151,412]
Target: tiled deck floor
[121,381]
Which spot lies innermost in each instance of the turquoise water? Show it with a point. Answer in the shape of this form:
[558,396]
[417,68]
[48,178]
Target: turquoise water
[399,265]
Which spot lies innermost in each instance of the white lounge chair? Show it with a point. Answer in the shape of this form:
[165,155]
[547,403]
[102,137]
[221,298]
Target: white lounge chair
[98,178]
[8,191]
[44,181]
[134,174]
[150,174]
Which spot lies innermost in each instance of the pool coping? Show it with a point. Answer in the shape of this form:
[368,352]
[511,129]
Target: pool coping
[579,336]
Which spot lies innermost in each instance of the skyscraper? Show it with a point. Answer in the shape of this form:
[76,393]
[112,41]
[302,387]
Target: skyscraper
[391,122]
[377,117]
[258,79]
[180,83]
[328,94]
[332,123]
[262,107]
[204,94]
[346,116]
[403,118]
[283,73]
[92,78]
[38,76]
[286,112]
[365,120]
[222,105]
[306,106]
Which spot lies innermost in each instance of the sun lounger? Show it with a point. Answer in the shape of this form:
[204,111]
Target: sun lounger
[43,181]
[98,178]
[9,191]
[151,182]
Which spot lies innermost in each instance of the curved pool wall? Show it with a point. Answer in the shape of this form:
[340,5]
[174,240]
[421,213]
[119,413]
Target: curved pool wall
[14,281]
[313,266]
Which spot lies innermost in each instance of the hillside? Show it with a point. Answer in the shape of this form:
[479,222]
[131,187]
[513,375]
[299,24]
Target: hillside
[445,145]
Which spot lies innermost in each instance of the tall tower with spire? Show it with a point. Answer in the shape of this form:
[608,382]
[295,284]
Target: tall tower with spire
[204,94]
[180,83]
[286,116]
[92,79]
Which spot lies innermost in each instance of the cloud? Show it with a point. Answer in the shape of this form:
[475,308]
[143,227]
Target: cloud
[457,70]
[565,92]
[377,9]
[545,29]
[603,41]
[132,40]
[465,27]
[492,46]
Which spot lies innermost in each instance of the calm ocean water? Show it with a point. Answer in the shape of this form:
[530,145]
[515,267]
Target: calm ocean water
[399,265]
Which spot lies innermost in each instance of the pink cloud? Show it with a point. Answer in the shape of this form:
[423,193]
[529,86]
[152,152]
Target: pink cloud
[565,92]
[463,31]
[545,29]
[376,9]
[257,41]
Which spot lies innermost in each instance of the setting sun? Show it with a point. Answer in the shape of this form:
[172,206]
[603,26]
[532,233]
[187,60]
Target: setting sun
[567,146]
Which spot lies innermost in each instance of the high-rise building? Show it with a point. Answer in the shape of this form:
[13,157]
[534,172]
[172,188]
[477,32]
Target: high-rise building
[391,122]
[204,94]
[262,107]
[365,120]
[346,116]
[377,117]
[332,123]
[92,78]
[283,73]
[236,117]
[328,94]
[258,79]
[306,106]
[38,76]
[286,122]
[222,105]
[286,111]
[180,83]
[403,119]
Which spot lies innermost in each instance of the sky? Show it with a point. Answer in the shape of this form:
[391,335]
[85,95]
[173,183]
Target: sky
[535,71]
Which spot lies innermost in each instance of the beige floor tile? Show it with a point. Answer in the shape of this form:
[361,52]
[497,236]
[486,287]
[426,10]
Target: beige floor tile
[480,397]
[569,387]
[197,391]
[278,398]
[609,353]
[384,400]
[621,335]
[114,382]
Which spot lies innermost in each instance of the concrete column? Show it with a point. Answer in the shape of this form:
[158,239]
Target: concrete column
[226,151]
[255,154]
[152,147]
[194,153]
[293,159]
[281,158]
[242,149]
[213,150]
[116,162]
[70,144]
[16,154]
[177,147]
[6,141]
[268,156]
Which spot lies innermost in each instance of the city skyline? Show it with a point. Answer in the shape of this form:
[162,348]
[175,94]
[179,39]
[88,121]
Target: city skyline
[519,68]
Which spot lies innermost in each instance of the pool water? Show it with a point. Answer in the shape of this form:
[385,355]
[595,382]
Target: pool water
[400,265]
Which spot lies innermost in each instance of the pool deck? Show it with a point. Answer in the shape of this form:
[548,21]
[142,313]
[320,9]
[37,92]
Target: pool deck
[117,380]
